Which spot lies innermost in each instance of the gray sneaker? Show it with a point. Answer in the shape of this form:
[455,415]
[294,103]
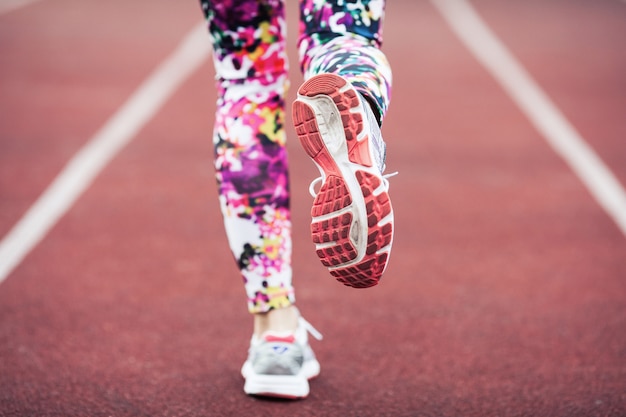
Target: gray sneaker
[280,364]
[352,218]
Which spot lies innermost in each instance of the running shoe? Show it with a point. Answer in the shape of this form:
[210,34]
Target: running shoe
[280,364]
[352,217]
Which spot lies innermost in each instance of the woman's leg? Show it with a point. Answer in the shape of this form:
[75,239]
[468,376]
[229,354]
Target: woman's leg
[249,138]
[252,175]
[337,117]
[344,38]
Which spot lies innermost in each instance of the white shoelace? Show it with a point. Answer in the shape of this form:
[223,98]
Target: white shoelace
[309,327]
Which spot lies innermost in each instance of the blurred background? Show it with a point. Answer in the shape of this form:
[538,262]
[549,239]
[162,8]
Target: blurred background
[505,293]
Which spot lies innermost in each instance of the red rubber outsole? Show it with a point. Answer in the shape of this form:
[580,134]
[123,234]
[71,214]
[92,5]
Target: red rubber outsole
[333,234]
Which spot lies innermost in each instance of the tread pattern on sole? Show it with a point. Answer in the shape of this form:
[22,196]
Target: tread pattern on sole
[332,233]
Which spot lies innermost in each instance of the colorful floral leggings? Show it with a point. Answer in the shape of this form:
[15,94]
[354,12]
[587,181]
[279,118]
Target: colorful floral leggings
[341,37]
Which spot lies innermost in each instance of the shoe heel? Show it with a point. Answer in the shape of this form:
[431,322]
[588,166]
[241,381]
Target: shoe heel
[327,84]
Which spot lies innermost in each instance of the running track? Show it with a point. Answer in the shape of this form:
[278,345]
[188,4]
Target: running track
[506,292]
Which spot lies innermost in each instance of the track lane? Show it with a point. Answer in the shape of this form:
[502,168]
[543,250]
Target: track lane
[47,73]
[538,107]
[505,278]
[584,77]
[91,159]
[8,6]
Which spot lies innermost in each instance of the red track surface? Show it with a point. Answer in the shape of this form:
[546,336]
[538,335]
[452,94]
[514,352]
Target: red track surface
[505,294]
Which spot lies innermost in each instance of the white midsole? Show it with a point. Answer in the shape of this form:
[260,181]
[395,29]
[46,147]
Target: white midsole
[280,385]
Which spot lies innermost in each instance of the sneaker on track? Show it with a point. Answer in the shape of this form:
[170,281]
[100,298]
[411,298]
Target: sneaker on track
[280,364]
[352,216]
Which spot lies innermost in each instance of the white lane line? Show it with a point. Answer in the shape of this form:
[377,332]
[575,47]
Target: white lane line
[7,6]
[91,159]
[537,106]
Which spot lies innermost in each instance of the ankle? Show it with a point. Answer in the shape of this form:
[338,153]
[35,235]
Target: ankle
[278,320]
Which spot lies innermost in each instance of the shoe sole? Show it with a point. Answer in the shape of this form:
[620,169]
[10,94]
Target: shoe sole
[352,216]
[291,387]
[288,387]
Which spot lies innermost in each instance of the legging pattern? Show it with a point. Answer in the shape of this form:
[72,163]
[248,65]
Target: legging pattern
[249,138]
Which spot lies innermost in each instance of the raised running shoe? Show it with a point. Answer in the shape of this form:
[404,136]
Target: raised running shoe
[352,216]
[280,364]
